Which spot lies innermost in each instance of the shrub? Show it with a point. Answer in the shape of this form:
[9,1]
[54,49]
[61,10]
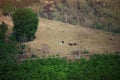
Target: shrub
[99,26]
[25,24]
[85,51]
[3,29]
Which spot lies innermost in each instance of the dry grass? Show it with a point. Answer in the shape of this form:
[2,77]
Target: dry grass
[50,34]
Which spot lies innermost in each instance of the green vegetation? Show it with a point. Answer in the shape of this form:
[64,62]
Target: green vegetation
[26,22]
[3,29]
[85,51]
[8,49]
[99,26]
[99,67]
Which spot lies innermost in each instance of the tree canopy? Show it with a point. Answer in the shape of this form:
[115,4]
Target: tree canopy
[25,24]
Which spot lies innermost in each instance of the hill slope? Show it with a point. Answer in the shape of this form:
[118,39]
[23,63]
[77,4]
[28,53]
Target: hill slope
[58,38]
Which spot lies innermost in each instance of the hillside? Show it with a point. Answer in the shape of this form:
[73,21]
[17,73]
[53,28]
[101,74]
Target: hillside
[50,34]
[55,36]
[97,14]
[62,39]
[59,39]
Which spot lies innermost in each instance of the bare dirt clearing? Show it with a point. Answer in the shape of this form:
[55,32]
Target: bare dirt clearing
[58,38]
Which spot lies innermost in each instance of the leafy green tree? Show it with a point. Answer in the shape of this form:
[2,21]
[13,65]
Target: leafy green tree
[25,24]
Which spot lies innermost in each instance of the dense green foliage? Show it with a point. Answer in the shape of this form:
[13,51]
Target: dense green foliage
[8,51]
[3,29]
[99,67]
[8,47]
[26,22]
